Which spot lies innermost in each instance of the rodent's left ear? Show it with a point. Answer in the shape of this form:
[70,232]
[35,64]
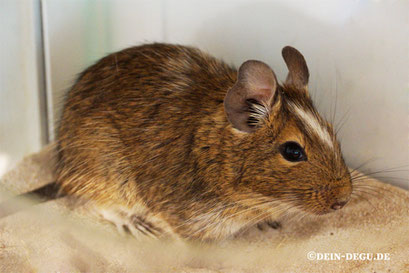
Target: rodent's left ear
[298,74]
[251,97]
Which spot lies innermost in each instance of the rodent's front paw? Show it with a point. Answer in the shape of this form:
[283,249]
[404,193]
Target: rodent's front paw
[127,222]
[268,224]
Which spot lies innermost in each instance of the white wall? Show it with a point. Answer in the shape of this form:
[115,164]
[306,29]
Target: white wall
[357,53]
[22,123]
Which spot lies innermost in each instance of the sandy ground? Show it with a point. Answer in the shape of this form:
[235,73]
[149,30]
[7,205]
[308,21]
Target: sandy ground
[52,238]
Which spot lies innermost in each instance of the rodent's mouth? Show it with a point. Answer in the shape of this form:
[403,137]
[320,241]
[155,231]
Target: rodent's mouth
[332,207]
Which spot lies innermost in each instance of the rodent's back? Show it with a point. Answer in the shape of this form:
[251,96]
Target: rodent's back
[131,119]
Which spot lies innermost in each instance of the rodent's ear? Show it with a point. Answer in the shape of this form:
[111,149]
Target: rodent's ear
[250,99]
[297,68]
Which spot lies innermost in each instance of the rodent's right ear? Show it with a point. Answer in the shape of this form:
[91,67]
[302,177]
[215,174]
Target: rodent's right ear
[298,74]
[250,99]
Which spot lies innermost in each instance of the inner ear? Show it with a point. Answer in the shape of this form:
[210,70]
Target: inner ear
[298,74]
[250,99]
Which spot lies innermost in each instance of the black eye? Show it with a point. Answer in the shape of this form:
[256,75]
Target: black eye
[292,151]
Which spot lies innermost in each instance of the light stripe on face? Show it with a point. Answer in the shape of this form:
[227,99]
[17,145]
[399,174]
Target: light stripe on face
[313,125]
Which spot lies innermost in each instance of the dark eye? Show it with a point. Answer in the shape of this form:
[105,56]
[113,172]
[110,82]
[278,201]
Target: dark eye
[292,151]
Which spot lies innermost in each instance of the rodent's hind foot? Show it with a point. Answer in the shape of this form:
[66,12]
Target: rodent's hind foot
[268,224]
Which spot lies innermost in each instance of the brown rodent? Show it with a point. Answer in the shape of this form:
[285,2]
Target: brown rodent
[165,139]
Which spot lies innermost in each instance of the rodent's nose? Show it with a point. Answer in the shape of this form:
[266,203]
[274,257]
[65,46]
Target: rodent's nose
[341,198]
[338,205]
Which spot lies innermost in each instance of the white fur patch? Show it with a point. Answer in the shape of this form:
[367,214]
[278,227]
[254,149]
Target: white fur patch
[313,124]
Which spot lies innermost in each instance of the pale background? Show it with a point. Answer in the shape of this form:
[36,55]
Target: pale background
[357,51]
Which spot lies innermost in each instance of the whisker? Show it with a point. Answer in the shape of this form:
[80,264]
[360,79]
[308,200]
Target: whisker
[368,193]
[388,170]
[342,121]
[365,199]
[356,169]
[377,189]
